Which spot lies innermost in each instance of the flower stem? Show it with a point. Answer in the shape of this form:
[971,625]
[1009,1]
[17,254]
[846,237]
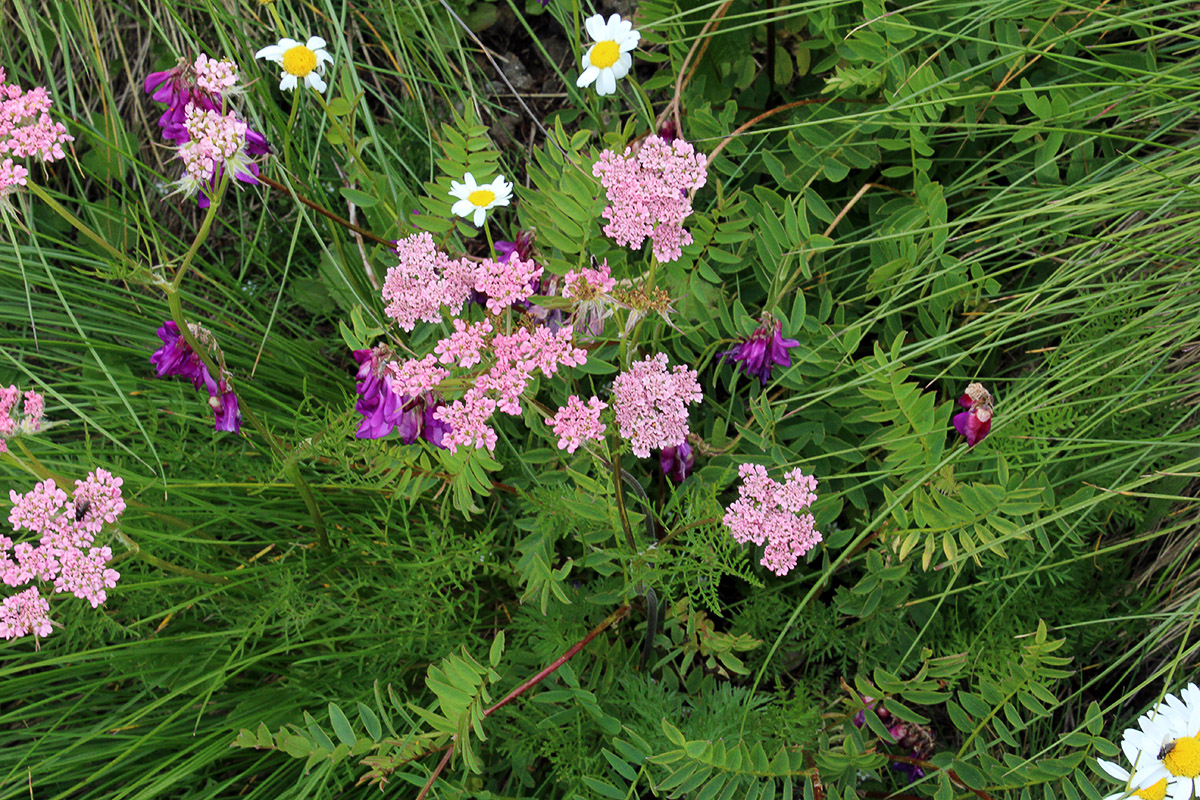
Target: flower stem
[201,235]
[621,510]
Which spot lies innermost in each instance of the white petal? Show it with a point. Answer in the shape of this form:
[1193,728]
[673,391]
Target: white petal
[315,81]
[620,29]
[322,57]
[271,52]
[621,68]
[606,83]
[614,26]
[469,183]
[1115,770]
[596,27]
[287,44]
[590,74]
[463,208]
[315,43]
[289,82]
[480,215]
[630,42]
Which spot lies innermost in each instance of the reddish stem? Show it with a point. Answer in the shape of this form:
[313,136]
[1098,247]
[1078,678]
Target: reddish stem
[438,771]
[558,662]
[345,223]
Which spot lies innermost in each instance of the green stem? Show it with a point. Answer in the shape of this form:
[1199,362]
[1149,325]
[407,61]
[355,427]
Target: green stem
[201,235]
[80,226]
[615,448]
[135,550]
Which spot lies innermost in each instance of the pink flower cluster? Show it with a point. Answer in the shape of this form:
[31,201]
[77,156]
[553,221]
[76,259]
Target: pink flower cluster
[29,422]
[26,129]
[64,554]
[506,282]
[216,145]
[769,512]
[577,422]
[650,402]
[517,356]
[219,76]
[425,281]
[648,194]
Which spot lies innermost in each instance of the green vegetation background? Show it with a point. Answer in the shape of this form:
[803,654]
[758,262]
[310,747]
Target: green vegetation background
[1004,191]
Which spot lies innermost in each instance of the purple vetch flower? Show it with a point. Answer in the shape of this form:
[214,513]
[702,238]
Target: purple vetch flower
[378,404]
[761,351]
[176,357]
[522,247]
[677,462]
[384,411]
[976,422]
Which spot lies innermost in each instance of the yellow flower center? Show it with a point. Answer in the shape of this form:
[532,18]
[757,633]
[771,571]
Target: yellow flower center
[1155,791]
[1184,757]
[605,54]
[299,61]
[481,197]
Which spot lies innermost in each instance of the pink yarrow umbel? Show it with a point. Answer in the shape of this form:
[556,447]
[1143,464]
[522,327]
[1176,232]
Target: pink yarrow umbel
[26,131]
[648,194]
[217,146]
[650,402]
[769,512]
[12,424]
[425,282]
[64,555]
[578,422]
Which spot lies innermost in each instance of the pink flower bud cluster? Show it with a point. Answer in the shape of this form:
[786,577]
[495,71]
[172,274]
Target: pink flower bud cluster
[64,554]
[648,194]
[506,282]
[12,424]
[26,130]
[578,422]
[218,76]
[593,304]
[650,402]
[769,512]
[216,145]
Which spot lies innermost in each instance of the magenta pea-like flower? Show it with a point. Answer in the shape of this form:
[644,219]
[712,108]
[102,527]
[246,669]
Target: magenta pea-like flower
[757,355]
[976,422]
[677,462]
[176,357]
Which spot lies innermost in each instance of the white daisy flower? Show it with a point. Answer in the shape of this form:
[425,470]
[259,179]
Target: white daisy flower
[1138,782]
[305,61]
[608,59]
[1168,739]
[477,199]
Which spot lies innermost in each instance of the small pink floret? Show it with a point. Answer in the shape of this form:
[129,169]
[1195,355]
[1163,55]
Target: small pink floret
[767,512]
[578,422]
[650,403]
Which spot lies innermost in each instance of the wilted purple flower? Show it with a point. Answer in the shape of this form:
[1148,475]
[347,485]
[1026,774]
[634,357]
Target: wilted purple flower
[176,357]
[761,351]
[677,462]
[917,739]
[976,422]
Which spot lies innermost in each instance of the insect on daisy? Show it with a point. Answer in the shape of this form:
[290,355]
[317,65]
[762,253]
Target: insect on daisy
[1165,749]
[298,60]
[475,199]
[608,59]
